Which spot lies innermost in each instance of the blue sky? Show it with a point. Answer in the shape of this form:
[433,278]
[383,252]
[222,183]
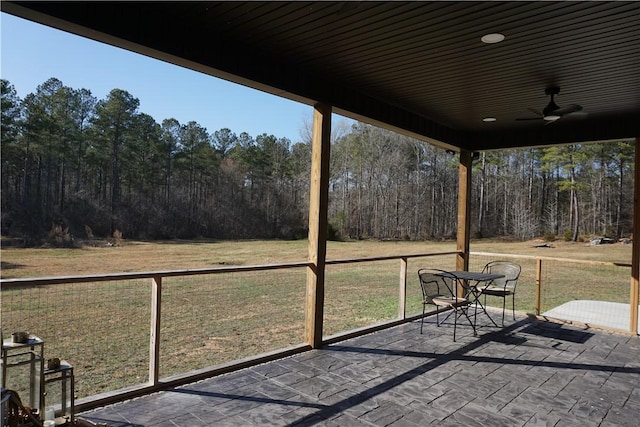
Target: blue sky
[32,53]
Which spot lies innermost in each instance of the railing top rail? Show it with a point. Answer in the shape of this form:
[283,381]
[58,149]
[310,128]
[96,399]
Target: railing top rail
[388,257]
[146,275]
[548,258]
[42,281]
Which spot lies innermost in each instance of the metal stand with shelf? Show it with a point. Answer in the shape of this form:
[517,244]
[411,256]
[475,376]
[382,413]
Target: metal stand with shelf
[23,362]
[60,381]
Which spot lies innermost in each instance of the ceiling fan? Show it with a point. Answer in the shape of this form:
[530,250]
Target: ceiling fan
[553,112]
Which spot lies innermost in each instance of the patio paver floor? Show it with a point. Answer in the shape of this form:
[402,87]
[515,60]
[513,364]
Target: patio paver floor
[528,373]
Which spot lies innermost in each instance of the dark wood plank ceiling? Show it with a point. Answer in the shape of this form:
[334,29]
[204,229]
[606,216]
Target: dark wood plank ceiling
[415,66]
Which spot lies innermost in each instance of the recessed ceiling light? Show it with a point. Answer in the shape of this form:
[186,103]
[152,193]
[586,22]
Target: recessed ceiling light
[489,119]
[492,38]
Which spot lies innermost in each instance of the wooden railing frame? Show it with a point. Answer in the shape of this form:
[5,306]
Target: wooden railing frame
[402,288]
[538,285]
[402,285]
[154,335]
[633,327]
[548,258]
[91,278]
[155,383]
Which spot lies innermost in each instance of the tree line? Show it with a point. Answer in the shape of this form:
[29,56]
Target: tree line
[101,167]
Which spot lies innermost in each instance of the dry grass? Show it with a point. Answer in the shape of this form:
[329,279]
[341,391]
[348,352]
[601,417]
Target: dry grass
[173,255]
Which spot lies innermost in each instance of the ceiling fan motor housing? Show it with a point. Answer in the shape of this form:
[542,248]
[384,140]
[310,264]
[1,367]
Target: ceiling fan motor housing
[552,90]
[552,106]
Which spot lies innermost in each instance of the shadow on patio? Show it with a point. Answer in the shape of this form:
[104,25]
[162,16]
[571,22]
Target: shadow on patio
[528,373]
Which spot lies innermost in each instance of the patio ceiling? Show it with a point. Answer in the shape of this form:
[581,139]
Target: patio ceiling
[416,67]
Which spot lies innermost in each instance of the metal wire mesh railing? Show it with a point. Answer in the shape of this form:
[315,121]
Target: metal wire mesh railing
[84,323]
[209,320]
[589,292]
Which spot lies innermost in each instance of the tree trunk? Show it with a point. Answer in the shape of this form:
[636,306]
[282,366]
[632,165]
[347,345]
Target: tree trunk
[575,208]
[620,199]
[62,187]
[481,209]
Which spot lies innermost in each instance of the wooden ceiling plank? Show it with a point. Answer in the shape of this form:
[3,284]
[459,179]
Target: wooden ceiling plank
[393,61]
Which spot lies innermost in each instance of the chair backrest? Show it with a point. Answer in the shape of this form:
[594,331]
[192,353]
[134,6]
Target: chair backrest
[435,283]
[510,270]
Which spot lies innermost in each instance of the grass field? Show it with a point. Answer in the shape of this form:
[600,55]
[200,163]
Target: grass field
[172,255]
[102,328]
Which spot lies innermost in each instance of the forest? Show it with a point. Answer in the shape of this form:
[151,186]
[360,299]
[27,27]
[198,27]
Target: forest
[77,167]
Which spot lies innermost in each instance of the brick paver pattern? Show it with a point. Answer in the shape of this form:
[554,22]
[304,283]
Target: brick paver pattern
[528,373]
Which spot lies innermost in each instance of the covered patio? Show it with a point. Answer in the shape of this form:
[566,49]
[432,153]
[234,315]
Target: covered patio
[529,373]
[421,69]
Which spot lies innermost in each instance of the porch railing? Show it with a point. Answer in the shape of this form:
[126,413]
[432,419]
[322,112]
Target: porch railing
[128,334]
[132,333]
[550,282]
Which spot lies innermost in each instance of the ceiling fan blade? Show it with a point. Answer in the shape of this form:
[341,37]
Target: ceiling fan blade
[577,115]
[536,112]
[568,109]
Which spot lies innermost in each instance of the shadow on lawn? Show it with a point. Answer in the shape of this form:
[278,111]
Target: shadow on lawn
[10,266]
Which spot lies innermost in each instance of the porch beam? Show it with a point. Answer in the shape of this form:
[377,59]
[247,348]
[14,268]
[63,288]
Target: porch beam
[318,206]
[464,210]
[635,250]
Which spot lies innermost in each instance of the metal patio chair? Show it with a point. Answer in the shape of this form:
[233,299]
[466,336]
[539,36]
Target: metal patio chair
[440,288]
[502,287]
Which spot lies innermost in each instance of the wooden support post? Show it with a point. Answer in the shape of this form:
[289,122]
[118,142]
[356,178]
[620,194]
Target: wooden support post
[538,285]
[318,205]
[635,250]
[402,289]
[154,335]
[464,210]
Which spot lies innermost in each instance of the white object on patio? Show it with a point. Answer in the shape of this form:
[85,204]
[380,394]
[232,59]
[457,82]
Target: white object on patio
[600,313]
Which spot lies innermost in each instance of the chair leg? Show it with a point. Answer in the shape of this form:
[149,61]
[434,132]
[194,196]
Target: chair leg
[513,305]
[465,311]
[422,319]
[455,323]
[475,315]
[449,314]
[504,304]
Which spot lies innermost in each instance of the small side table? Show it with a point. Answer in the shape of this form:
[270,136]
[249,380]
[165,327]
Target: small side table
[59,392]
